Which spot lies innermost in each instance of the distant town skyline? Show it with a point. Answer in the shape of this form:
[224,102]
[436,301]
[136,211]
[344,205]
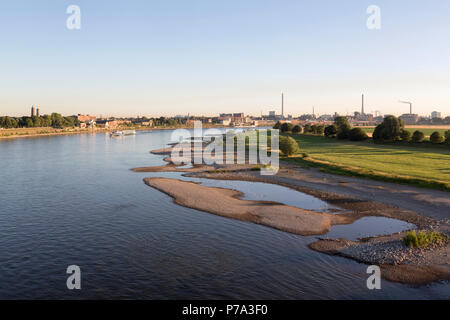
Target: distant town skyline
[164,58]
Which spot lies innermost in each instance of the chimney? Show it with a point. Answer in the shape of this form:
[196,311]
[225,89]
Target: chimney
[362,106]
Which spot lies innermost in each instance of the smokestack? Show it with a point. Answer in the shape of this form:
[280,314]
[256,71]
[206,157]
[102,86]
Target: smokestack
[282,105]
[410,108]
[362,106]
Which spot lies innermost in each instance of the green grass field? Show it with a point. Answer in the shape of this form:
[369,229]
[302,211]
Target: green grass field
[426,131]
[423,166]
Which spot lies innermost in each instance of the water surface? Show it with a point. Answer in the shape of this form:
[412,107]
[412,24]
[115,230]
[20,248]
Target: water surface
[73,200]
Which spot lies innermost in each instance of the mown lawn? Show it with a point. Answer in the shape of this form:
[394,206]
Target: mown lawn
[428,167]
[426,131]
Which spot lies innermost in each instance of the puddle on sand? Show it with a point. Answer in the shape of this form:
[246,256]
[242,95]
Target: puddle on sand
[362,228]
[272,192]
[369,227]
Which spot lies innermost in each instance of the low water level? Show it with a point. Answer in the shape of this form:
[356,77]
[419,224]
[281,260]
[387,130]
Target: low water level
[73,200]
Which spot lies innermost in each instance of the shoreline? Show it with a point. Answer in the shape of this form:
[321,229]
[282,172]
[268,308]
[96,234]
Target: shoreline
[402,267]
[62,132]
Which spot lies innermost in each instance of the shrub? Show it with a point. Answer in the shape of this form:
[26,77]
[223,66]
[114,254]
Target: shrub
[357,134]
[330,131]
[286,127]
[277,125]
[307,128]
[288,146]
[418,136]
[405,135]
[389,129]
[436,137]
[447,136]
[320,129]
[297,129]
[343,134]
[415,239]
[343,127]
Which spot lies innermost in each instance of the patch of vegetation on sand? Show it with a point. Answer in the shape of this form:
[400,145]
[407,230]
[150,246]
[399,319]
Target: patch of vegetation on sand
[418,239]
[425,167]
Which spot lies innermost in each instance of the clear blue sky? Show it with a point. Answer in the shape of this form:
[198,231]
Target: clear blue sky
[204,57]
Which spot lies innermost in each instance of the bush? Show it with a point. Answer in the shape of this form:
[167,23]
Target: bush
[357,134]
[286,127]
[415,239]
[297,129]
[389,130]
[288,146]
[330,131]
[307,128]
[405,135]
[277,125]
[320,129]
[343,127]
[436,137]
[418,136]
[343,134]
[447,136]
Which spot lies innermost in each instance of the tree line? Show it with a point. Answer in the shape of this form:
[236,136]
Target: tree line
[392,129]
[54,120]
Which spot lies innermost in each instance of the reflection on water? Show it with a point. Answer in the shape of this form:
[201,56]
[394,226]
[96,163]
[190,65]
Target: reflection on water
[73,200]
[369,227]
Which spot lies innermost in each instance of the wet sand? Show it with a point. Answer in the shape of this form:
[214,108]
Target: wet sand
[357,197]
[226,203]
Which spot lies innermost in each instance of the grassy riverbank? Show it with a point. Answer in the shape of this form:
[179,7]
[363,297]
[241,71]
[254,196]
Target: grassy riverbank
[421,166]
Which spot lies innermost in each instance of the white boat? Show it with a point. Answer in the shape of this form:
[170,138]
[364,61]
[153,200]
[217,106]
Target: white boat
[129,132]
[123,133]
[116,134]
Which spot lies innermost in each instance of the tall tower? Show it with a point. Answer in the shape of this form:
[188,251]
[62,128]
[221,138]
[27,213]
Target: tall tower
[32,111]
[282,105]
[362,106]
[38,114]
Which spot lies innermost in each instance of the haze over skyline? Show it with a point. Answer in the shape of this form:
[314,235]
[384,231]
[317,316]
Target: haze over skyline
[207,57]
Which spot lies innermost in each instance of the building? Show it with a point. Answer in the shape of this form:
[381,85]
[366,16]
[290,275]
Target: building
[225,122]
[86,118]
[38,114]
[33,111]
[436,114]
[409,118]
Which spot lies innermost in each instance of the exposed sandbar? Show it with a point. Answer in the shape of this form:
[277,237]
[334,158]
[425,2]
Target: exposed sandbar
[226,202]
[398,262]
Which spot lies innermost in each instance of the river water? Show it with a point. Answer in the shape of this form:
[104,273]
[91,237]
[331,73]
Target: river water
[72,200]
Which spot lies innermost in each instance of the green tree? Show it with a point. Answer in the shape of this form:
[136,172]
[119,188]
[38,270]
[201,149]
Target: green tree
[447,136]
[277,125]
[389,129]
[320,129]
[307,128]
[343,127]
[330,131]
[436,137]
[57,120]
[297,129]
[418,136]
[288,146]
[405,135]
[357,134]
[286,127]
